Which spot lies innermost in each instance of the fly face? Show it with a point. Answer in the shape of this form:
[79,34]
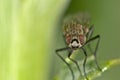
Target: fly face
[75,34]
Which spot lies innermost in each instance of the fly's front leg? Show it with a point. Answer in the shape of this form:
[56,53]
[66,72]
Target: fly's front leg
[84,63]
[60,50]
[89,35]
[74,61]
[97,37]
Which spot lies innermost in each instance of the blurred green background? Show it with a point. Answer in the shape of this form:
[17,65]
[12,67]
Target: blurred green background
[30,31]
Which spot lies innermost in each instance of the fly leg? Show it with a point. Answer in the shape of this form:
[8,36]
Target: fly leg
[97,37]
[63,49]
[74,61]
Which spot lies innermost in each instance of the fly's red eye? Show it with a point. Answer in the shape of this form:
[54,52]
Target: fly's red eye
[68,38]
[82,39]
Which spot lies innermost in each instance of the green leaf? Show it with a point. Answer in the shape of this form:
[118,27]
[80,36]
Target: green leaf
[26,30]
[91,70]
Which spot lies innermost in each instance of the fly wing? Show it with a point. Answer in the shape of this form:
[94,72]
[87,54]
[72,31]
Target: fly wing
[82,18]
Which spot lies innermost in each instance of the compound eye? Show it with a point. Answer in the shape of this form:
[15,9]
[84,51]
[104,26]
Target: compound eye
[68,39]
[82,39]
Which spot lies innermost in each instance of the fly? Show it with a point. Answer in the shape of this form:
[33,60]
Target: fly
[77,33]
